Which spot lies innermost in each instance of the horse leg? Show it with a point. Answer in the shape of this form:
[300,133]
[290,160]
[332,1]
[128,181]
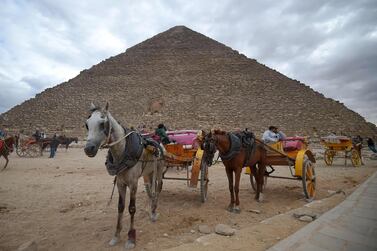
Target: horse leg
[6,161]
[236,208]
[229,173]
[156,182]
[122,188]
[131,242]
[260,181]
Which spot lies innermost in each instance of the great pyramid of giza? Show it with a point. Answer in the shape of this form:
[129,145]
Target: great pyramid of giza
[187,81]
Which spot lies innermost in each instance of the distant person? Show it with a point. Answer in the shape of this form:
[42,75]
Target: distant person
[371,145]
[2,134]
[272,135]
[37,135]
[54,146]
[161,132]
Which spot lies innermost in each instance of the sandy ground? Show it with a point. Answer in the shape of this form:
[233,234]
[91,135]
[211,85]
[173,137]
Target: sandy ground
[61,203]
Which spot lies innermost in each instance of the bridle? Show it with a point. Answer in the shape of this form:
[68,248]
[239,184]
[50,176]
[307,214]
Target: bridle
[108,142]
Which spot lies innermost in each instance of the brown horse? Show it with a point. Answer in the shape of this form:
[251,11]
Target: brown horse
[236,151]
[6,147]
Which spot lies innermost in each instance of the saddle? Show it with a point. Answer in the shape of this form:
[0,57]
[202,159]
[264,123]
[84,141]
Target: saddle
[234,149]
[135,144]
[238,140]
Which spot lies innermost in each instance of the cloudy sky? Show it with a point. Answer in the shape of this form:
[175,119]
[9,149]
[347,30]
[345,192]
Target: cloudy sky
[330,45]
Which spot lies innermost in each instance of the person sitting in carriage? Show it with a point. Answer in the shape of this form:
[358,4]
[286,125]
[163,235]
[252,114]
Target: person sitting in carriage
[161,132]
[272,135]
[37,135]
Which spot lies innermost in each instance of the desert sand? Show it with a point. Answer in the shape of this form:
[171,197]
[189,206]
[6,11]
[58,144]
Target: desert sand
[61,203]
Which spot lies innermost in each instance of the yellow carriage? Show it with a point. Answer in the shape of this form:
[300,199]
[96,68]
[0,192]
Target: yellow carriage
[294,153]
[335,144]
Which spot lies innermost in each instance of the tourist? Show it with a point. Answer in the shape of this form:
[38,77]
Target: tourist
[2,134]
[272,135]
[161,132]
[371,145]
[54,146]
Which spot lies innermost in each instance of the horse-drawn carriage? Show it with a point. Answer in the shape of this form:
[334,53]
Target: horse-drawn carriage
[294,153]
[185,152]
[336,144]
[30,147]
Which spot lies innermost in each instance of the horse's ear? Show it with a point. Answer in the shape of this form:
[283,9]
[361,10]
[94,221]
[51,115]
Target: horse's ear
[93,107]
[107,107]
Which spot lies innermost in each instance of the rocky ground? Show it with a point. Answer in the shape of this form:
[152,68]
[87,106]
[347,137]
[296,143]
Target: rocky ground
[61,204]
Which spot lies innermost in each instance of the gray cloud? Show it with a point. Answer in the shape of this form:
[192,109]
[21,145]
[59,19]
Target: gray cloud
[329,45]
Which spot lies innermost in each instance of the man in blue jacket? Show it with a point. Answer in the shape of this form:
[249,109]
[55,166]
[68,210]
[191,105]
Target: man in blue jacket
[272,135]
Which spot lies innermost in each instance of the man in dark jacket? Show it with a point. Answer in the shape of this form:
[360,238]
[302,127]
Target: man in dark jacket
[54,146]
[371,145]
[161,132]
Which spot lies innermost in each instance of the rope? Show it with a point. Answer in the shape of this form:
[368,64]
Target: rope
[112,193]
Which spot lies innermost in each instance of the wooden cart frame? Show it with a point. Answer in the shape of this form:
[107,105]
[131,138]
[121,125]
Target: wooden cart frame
[179,156]
[299,161]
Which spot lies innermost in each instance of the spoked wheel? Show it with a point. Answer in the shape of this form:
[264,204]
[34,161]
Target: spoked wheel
[253,182]
[308,179]
[203,181]
[33,150]
[329,157]
[355,158]
[21,151]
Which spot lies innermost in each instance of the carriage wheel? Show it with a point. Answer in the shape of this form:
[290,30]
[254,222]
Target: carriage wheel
[308,179]
[203,181]
[20,151]
[33,150]
[329,157]
[355,158]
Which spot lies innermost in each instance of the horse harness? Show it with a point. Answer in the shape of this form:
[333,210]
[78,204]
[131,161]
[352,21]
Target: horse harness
[238,140]
[135,144]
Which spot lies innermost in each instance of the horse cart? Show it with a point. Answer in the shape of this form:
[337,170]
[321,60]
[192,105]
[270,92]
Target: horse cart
[29,147]
[294,153]
[337,144]
[185,152]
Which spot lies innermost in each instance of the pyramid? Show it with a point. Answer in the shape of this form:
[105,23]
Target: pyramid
[186,80]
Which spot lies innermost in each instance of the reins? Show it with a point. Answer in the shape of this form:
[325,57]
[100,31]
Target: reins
[107,144]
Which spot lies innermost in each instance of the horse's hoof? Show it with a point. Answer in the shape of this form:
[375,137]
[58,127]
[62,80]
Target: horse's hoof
[113,241]
[130,244]
[154,217]
[230,209]
[236,210]
[261,198]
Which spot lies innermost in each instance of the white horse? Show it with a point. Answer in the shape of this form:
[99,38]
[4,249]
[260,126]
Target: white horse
[104,130]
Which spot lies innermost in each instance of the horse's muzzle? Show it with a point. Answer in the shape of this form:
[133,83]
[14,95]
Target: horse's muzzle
[91,149]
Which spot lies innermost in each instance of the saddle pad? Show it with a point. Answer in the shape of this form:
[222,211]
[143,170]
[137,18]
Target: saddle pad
[1,144]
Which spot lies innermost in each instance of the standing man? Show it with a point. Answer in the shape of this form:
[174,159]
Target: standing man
[54,146]
[371,145]
[272,135]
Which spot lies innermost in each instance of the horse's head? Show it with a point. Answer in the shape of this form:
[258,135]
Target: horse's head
[209,146]
[98,129]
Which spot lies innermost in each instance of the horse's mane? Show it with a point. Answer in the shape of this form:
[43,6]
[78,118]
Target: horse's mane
[219,132]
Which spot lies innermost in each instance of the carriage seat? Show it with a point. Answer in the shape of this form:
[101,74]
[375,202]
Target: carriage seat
[293,143]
